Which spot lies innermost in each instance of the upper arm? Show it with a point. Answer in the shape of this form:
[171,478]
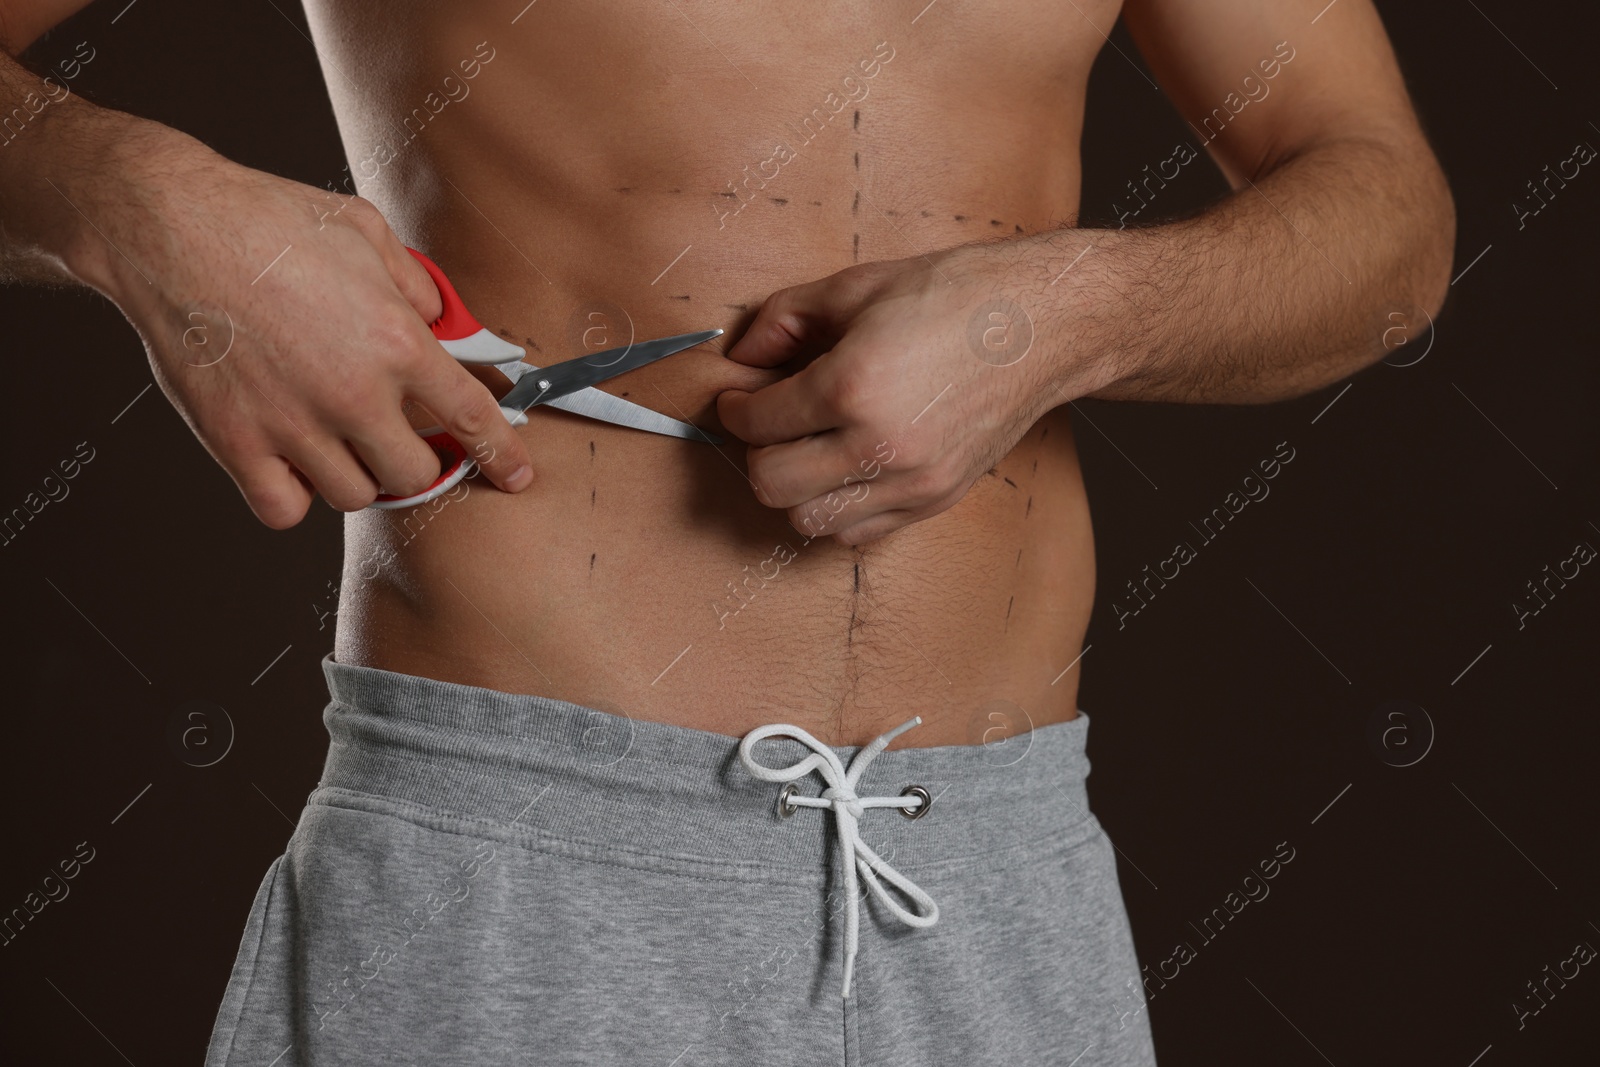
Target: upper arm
[23,21]
[1260,82]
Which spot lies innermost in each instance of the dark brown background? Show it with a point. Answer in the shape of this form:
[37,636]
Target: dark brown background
[1228,714]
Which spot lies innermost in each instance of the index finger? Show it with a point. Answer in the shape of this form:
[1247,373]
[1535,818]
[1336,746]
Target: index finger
[468,411]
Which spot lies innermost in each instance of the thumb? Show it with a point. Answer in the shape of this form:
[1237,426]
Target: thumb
[801,320]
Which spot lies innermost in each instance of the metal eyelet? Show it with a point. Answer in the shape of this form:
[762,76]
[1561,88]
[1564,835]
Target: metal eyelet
[921,809]
[786,807]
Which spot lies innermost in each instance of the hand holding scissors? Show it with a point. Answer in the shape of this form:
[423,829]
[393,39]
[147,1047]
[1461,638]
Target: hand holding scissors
[568,385]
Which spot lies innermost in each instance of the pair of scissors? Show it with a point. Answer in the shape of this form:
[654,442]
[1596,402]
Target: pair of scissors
[568,386]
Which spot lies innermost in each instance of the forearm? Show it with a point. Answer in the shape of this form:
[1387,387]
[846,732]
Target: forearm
[65,163]
[1277,290]
[42,237]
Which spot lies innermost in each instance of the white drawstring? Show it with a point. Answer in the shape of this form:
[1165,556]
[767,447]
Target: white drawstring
[848,808]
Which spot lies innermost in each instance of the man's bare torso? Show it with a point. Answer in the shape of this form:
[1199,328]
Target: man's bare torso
[584,172]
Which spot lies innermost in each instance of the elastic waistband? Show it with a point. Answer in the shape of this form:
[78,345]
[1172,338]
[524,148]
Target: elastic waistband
[548,768]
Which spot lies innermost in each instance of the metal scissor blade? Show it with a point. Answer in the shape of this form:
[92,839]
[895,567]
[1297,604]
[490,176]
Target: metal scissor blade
[595,404]
[566,378]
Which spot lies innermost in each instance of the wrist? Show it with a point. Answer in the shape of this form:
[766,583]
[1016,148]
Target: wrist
[1038,324]
[41,228]
[992,305]
[71,190]
[1091,334]
[116,183]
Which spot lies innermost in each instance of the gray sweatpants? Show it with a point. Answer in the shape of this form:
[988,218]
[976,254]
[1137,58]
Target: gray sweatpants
[482,878]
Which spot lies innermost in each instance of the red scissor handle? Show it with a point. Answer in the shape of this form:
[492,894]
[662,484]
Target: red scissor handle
[465,338]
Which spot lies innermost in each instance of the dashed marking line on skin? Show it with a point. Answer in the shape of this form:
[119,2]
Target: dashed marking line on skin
[1011,483]
[1009,605]
[857,122]
[855,205]
[591,451]
[1036,466]
[996,222]
[780,201]
[992,472]
[1025,514]
[1019,558]
[816,203]
[927,214]
[738,307]
[855,596]
[855,250]
[684,297]
[592,557]
[961,218]
[858,161]
[591,497]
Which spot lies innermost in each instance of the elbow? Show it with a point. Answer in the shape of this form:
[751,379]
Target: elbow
[1405,290]
[1411,280]
[1434,247]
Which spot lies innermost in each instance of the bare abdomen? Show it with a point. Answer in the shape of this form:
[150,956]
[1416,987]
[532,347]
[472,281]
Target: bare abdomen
[642,577]
[639,574]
